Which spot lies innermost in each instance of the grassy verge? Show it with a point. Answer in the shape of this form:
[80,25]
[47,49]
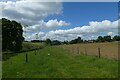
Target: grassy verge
[54,62]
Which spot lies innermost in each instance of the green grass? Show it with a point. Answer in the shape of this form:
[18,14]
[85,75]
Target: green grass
[59,64]
[27,46]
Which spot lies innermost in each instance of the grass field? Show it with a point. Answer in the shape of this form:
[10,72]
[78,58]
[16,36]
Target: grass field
[59,64]
[27,46]
[107,49]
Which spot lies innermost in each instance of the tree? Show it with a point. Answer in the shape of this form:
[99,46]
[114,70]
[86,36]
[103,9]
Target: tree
[73,41]
[48,42]
[116,38]
[65,42]
[78,40]
[56,42]
[107,38]
[100,39]
[12,35]
[35,41]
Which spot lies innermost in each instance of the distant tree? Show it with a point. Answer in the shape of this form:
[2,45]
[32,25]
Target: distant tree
[65,42]
[78,40]
[85,41]
[56,42]
[107,38]
[35,40]
[104,39]
[116,38]
[73,41]
[48,42]
[100,39]
[12,35]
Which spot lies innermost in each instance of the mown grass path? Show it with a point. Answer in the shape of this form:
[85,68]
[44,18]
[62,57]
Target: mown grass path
[59,64]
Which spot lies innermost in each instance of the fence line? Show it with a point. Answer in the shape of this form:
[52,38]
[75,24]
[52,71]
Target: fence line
[99,52]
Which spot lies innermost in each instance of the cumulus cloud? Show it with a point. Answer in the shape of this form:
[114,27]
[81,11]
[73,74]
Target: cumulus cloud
[50,24]
[33,13]
[34,36]
[93,27]
[55,23]
[110,33]
[28,12]
[86,32]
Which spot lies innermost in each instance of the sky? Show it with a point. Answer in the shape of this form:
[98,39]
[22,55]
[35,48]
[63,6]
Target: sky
[63,20]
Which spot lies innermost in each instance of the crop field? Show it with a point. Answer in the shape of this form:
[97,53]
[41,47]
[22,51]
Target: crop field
[56,62]
[107,49]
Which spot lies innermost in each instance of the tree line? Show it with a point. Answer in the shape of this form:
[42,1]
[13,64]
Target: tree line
[80,40]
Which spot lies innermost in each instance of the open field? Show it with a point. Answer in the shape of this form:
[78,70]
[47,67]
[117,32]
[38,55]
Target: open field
[107,49]
[59,63]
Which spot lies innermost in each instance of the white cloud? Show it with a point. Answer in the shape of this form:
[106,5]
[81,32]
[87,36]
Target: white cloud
[34,36]
[50,24]
[91,31]
[93,27]
[55,23]
[110,33]
[33,12]
[28,12]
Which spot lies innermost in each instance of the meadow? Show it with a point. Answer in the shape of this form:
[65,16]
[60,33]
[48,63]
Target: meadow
[56,62]
[107,49]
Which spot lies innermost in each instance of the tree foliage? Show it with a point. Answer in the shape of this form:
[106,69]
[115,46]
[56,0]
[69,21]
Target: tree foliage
[12,35]
[104,39]
[116,38]
[56,42]
[100,39]
[48,42]
[78,40]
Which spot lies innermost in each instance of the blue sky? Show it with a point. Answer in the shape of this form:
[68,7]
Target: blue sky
[81,13]
[64,21]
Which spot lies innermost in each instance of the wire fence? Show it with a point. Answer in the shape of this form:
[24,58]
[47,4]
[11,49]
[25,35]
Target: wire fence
[107,50]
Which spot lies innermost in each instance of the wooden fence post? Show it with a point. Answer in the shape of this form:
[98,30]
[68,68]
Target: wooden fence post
[99,52]
[26,58]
